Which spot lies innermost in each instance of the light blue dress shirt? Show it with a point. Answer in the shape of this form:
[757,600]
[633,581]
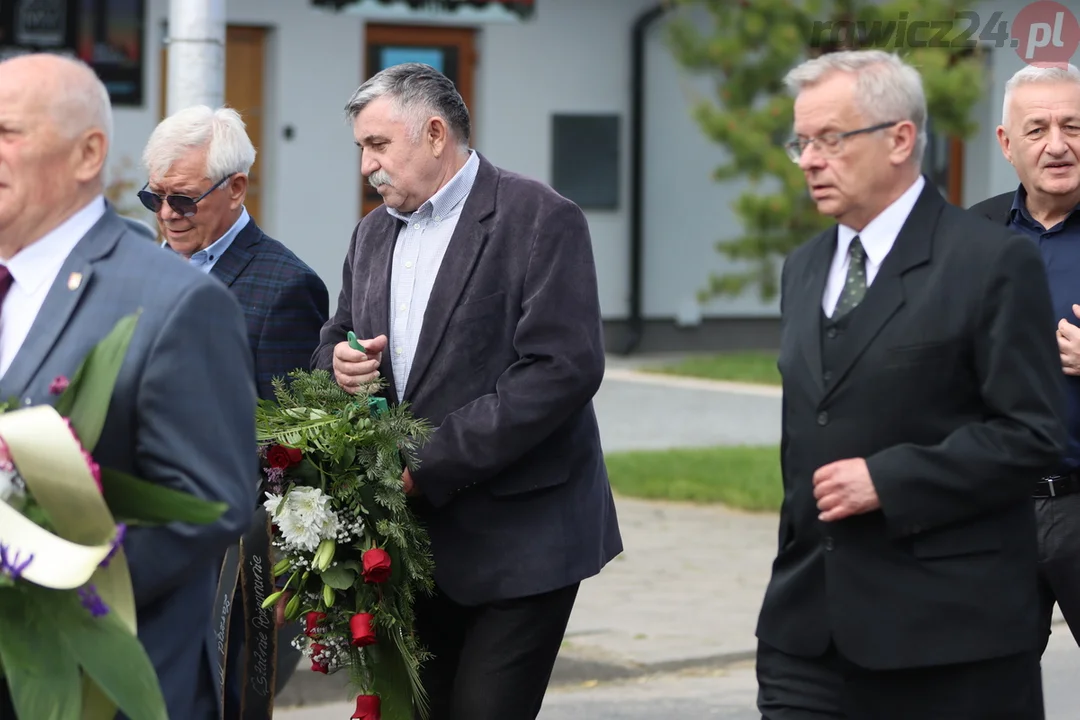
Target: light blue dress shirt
[206,258]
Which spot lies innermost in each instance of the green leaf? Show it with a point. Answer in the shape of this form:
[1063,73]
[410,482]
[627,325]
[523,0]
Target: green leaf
[86,400]
[339,578]
[111,656]
[42,675]
[136,501]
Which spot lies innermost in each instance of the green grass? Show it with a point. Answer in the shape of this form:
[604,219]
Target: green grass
[743,477]
[754,366]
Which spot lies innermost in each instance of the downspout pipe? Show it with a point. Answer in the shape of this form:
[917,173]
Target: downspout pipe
[637,149]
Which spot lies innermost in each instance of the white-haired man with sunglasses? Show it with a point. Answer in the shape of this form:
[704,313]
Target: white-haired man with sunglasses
[197,161]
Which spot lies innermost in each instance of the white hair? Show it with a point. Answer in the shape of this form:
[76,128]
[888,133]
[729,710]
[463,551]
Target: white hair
[418,92]
[886,88]
[1032,74]
[221,132]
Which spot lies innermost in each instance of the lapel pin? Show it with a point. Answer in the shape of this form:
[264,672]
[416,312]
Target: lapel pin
[74,281]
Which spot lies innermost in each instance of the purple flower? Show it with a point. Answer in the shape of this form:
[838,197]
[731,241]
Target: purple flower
[92,601]
[275,479]
[58,385]
[11,563]
[121,531]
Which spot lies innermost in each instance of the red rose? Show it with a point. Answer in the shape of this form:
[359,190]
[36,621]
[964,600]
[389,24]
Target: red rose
[282,457]
[318,659]
[367,708]
[314,629]
[362,632]
[376,565]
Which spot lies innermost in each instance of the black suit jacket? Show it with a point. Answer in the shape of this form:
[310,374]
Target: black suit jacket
[515,491]
[996,208]
[285,303]
[949,387]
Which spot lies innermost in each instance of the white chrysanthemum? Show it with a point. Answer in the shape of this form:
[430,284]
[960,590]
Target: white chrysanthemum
[304,517]
[271,504]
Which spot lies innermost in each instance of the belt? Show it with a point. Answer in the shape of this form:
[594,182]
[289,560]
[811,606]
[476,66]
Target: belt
[1057,485]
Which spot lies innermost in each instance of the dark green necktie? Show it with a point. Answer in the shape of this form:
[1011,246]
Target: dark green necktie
[855,283]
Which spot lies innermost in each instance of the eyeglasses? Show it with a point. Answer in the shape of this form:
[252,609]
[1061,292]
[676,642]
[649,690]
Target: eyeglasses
[829,144]
[182,204]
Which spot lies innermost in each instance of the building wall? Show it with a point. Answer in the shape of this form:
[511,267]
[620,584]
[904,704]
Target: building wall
[571,57]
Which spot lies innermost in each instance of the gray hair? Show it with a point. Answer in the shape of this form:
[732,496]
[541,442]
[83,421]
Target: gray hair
[221,132]
[886,87]
[418,92]
[1032,74]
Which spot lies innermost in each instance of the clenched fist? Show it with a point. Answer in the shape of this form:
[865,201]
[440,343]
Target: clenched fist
[354,369]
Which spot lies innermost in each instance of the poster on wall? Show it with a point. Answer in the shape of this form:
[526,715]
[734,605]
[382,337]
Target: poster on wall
[106,34]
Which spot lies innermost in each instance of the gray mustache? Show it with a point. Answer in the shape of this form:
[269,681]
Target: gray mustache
[379,177]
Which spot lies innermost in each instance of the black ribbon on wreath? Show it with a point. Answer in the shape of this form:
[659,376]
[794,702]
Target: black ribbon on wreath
[248,567]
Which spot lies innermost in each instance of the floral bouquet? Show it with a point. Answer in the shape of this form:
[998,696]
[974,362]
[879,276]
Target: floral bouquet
[352,557]
[68,643]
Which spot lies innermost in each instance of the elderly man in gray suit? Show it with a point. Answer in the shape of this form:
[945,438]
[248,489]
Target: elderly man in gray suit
[182,412]
[478,288]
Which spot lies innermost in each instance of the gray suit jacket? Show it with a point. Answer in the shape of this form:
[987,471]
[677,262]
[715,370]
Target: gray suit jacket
[182,415]
[515,491]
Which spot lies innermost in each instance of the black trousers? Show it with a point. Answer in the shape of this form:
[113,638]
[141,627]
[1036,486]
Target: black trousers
[493,661]
[832,688]
[1058,521]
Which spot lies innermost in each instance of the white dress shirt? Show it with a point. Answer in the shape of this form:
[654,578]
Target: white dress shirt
[418,254]
[34,270]
[877,239]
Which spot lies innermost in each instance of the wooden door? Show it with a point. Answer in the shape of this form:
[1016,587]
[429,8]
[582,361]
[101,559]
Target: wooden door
[451,51]
[245,67]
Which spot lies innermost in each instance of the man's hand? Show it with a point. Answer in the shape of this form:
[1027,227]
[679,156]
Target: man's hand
[354,369]
[279,609]
[844,488]
[407,482]
[1068,337]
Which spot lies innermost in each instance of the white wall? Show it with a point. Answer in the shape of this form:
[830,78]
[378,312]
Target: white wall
[687,211]
[311,186]
[573,57]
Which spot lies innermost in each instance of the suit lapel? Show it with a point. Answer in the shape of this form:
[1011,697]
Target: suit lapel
[807,314]
[75,276]
[885,296]
[456,269]
[239,254]
[377,296]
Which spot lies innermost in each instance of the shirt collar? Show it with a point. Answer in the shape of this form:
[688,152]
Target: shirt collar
[878,236]
[39,261]
[449,195]
[1019,207]
[213,252]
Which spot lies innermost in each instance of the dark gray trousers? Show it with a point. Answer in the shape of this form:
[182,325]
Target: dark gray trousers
[1058,521]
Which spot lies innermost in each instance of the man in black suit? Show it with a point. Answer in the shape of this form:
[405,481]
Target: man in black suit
[1040,136]
[921,400]
[475,292]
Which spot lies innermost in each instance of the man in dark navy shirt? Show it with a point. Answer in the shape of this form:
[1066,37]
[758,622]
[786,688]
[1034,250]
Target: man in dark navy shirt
[1040,136]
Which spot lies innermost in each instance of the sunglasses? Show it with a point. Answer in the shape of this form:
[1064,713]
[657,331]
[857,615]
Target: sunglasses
[181,204]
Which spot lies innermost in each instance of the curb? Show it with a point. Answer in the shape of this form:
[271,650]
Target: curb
[307,688]
[690,382]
